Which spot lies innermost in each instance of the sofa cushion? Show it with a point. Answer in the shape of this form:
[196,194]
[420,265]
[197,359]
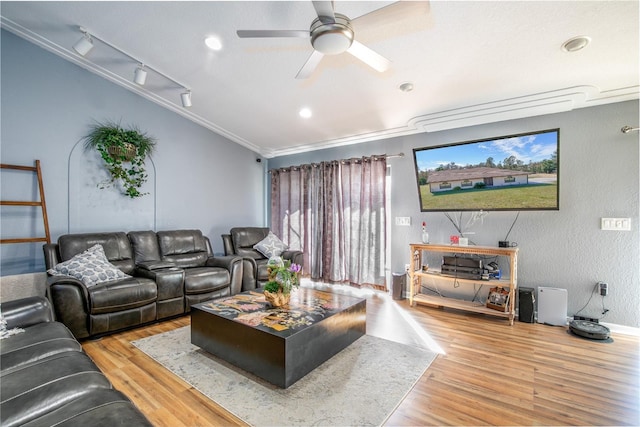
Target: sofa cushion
[244,238]
[38,342]
[185,248]
[98,408]
[205,279]
[41,387]
[123,294]
[90,267]
[116,247]
[271,246]
[145,246]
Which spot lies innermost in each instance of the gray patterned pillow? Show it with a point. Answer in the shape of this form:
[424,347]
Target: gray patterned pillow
[270,246]
[90,267]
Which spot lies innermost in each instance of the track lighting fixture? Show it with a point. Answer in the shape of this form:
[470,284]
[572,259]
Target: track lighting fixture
[85,44]
[140,75]
[186,98]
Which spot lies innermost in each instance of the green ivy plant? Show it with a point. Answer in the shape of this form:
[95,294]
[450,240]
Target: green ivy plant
[123,151]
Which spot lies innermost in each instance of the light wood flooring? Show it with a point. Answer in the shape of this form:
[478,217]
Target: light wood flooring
[488,373]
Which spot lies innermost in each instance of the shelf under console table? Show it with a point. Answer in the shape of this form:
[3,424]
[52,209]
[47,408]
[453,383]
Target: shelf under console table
[416,275]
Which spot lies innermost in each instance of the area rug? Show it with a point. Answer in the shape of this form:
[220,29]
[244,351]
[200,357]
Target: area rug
[362,385]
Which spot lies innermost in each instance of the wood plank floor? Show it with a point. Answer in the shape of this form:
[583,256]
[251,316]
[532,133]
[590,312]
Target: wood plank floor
[488,373]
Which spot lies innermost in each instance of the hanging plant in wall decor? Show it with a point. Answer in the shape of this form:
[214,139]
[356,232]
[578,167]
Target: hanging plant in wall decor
[123,151]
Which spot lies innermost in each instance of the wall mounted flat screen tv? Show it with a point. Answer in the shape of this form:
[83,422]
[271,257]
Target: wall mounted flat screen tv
[507,173]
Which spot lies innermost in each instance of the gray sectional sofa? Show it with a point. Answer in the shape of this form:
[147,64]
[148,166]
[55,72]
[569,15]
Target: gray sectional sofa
[159,275]
[46,379]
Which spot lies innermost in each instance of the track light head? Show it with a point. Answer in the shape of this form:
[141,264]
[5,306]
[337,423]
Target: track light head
[84,45]
[186,98]
[140,76]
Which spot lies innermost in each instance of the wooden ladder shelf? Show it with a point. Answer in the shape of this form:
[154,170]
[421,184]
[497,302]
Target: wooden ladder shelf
[41,203]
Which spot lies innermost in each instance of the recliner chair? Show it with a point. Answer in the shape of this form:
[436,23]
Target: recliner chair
[205,276]
[240,242]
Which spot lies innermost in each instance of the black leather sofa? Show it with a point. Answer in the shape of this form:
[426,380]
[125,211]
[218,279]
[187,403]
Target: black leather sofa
[241,241]
[170,271]
[46,379]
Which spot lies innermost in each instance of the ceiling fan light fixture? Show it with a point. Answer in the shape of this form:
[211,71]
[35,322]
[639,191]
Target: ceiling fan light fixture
[575,44]
[332,38]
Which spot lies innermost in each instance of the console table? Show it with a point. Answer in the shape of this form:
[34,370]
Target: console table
[416,275]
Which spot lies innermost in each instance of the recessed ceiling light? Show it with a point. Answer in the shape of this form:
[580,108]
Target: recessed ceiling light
[213,43]
[406,87]
[305,113]
[576,43]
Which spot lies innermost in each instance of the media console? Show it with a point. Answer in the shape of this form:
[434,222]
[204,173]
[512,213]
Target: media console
[416,275]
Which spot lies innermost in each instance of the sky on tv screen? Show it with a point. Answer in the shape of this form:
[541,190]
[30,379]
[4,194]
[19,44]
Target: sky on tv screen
[532,147]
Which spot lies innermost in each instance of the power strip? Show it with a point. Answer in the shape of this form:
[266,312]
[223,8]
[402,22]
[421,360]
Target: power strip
[588,319]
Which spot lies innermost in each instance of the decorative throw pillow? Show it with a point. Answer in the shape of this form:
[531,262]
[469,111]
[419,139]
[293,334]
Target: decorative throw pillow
[270,246]
[90,267]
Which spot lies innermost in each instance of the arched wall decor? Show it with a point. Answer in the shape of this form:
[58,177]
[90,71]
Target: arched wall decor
[106,209]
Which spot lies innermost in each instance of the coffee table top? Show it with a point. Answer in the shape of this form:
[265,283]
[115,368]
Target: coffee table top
[306,308]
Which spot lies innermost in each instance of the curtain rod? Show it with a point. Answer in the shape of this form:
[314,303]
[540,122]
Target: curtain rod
[387,156]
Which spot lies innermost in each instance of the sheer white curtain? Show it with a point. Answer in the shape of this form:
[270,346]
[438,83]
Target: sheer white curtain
[335,213]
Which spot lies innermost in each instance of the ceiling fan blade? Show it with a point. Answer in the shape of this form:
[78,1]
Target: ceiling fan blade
[273,33]
[310,65]
[393,14]
[369,57]
[325,12]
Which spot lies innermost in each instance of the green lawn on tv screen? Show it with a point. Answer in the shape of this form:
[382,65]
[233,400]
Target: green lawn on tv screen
[537,196]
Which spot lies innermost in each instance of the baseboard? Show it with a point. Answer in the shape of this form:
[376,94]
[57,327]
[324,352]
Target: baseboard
[622,329]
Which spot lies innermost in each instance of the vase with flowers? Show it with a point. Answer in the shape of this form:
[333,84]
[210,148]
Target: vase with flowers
[425,234]
[283,277]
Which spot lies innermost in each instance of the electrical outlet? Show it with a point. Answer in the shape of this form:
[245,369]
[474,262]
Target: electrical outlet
[620,224]
[406,267]
[604,289]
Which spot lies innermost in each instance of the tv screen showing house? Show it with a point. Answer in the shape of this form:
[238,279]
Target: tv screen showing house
[513,172]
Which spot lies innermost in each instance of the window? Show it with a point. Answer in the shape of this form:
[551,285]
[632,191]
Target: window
[466,184]
[445,185]
[508,179]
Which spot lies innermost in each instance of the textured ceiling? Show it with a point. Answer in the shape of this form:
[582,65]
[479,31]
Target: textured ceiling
[469,62]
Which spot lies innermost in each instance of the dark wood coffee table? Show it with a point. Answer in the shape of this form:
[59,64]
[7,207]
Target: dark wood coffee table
[280,345]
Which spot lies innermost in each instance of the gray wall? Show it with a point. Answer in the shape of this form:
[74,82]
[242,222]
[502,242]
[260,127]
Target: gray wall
[198,179]
[566,249]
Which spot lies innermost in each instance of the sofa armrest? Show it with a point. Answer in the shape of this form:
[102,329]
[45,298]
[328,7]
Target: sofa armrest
[234,265]
[227,244]
[154,265]
[25,312]
[296,257]
[70,300]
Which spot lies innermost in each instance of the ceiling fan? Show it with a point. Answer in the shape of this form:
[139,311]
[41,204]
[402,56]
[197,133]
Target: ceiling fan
[333,33]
